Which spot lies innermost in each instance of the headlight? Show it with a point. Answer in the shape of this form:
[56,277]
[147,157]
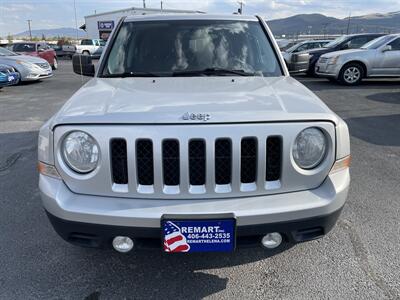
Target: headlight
[309,148]
[333,60]
[80,152]
[27,65]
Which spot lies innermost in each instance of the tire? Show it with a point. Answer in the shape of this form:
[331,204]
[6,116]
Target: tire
[351,74]
[55,64]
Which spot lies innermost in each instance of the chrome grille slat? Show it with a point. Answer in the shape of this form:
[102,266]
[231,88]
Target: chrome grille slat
[184,165]
[261,165]
[210,165]
[158,167]
[236,158]
[132,179]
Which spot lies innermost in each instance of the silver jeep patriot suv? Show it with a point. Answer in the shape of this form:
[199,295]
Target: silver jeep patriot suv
[192,137]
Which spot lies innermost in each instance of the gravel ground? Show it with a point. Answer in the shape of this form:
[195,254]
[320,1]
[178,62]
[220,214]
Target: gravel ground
[359,259]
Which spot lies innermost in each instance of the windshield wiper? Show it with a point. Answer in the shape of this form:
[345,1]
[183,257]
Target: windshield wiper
[131,74]
[213,71]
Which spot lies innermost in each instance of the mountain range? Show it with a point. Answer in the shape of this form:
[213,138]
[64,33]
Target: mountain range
[294,25]
[321,24]
[56,32]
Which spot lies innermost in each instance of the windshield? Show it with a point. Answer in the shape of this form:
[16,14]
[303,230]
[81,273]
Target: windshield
[5,52]
[294,47]
[336,42]
[28,47]
[376,43]
[168,48]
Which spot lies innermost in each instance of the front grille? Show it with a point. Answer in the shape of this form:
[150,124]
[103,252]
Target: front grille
[273,158]
[193,157]
[248,165]
[119,165]
[43,65]
[223,161]
[144,162]
[197,162]
[193,161]
[170,158]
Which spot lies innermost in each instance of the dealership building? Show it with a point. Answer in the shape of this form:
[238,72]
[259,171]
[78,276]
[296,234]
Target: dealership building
[99,26]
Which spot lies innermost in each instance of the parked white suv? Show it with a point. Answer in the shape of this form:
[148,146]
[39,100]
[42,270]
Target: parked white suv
[91,47]
[192,137]
[378,58]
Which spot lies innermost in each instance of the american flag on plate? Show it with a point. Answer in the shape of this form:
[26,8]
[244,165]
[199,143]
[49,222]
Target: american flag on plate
[174,240]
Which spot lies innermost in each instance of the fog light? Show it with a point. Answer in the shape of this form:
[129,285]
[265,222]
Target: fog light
[122,244]
[271,240]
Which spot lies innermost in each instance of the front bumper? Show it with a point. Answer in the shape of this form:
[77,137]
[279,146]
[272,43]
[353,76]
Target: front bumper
[293,214]
[33,75]
[10,79]
[326,70]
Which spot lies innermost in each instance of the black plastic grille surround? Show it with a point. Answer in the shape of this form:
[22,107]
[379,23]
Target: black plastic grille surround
[273,158]
[119,161]
[144,162]
[197,162]
[248,164]
[170,157]
[223,161]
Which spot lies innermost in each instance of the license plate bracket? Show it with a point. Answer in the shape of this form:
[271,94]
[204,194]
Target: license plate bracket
[198,235]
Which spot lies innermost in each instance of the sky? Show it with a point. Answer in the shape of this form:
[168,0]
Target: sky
[47,14]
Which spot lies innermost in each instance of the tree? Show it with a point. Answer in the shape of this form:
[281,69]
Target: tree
[10,39]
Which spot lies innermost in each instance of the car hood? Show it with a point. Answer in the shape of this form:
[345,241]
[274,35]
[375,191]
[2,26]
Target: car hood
[24,58]
[343,52]
[167,100]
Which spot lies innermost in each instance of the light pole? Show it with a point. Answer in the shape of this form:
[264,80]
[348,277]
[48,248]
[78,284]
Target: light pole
[144,3]
[241,3]
[30,30]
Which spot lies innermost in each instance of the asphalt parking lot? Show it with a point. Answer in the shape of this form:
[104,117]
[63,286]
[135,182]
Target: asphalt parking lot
[359,259]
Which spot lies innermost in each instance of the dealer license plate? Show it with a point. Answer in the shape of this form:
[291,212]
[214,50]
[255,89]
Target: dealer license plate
[198,235]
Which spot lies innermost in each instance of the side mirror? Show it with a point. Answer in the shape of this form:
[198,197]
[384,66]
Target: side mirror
[345,46]
[387,48]
[83,65]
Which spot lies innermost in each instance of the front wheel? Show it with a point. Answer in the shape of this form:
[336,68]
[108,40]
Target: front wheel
[55,64]
[351,74]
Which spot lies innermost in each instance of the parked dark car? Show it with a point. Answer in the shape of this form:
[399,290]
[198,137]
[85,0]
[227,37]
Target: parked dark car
[64,51]
[8,76]
[39,49]
[353,41]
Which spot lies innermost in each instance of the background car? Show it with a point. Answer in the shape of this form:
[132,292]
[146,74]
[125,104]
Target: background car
[64,50]
[30,68]
[353,41]
[8,76]
[92,47]
[303,46]
[40,49]
[378,58]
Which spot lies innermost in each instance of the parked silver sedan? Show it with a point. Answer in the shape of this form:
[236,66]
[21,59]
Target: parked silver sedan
[30,68]
[378,58]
